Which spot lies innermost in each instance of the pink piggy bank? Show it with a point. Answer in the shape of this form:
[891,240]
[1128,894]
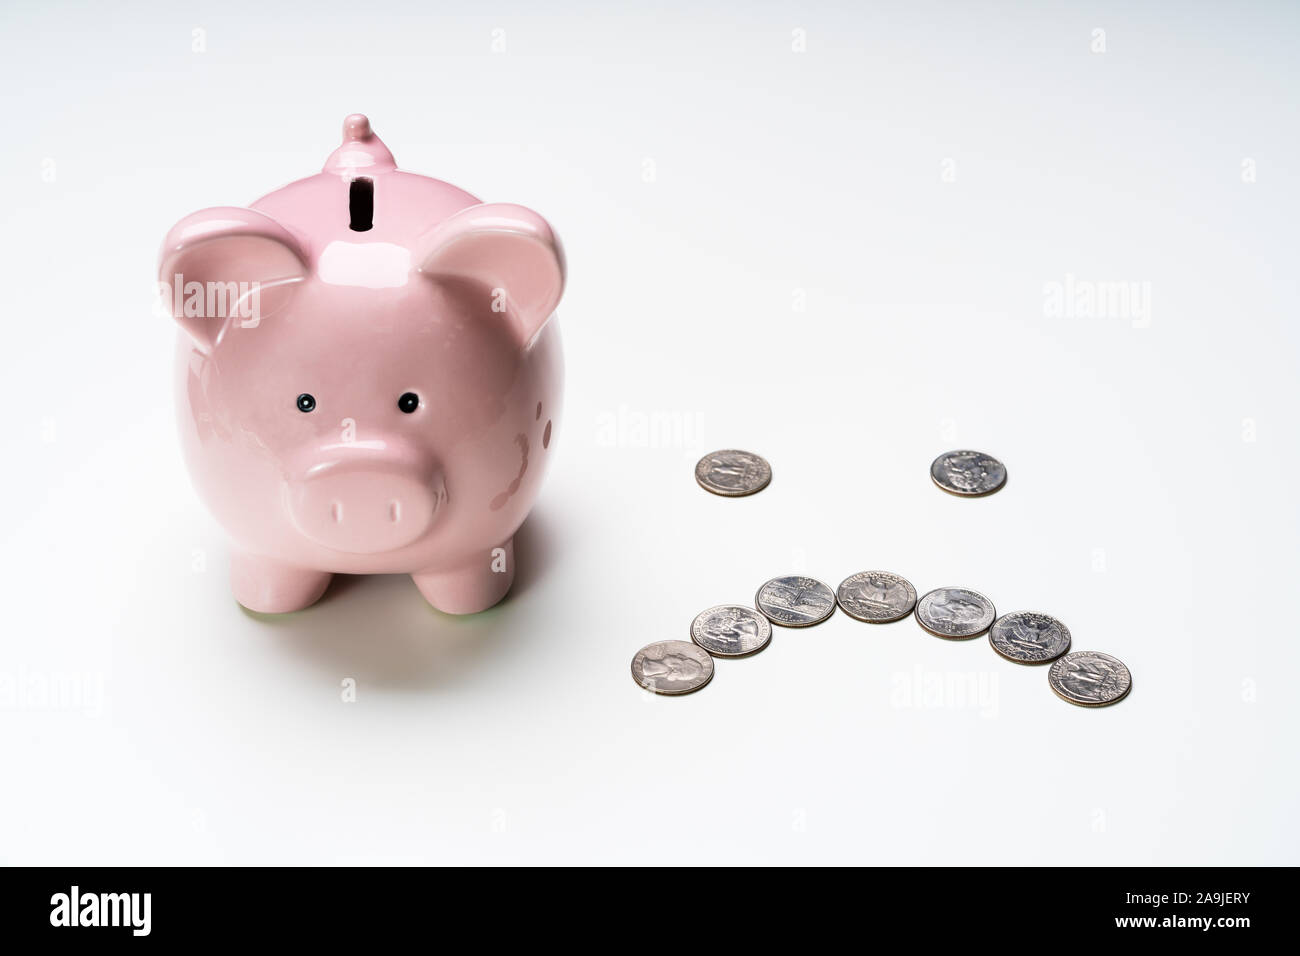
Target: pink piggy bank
[368,376]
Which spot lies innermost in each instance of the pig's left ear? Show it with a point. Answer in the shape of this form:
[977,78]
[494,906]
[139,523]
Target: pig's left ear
[508,249]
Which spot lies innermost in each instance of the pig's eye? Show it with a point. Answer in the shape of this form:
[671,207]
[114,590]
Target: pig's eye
[409,402]
[305,402]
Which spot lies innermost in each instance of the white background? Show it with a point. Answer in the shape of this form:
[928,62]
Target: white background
[797,278]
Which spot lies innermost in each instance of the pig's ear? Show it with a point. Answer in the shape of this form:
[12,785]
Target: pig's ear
[508,249]
[206,252]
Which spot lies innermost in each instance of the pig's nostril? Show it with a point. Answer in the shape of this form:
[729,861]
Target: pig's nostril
[394,511]
[336,512]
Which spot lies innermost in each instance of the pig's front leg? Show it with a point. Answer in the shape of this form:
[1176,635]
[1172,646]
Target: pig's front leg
[472,587]
[270,587]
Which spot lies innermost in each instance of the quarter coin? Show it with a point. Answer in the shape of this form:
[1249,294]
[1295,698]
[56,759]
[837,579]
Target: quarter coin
[1090,679]
[732,473]
[795,601]
[1029,638]
[876,597]
[969,474]
[672,667]
[957,613]
[730,630]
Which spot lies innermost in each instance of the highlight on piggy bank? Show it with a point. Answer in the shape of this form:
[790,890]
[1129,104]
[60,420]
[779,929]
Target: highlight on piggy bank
[368,378]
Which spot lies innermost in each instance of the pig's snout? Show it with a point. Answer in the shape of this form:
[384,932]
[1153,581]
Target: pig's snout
[365,497]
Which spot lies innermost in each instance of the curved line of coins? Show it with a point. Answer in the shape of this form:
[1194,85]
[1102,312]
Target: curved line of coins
[673,668]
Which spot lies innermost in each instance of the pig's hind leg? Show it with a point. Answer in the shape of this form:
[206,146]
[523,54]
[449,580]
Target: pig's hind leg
[471,587]
[271,587]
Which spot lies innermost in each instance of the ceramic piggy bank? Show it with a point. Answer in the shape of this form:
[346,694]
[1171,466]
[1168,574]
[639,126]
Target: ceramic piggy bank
[369,376]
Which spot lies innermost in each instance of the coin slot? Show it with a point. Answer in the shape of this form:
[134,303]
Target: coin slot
[361,204]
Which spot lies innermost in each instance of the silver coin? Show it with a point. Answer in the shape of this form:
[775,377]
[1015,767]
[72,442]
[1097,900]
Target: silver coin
[1029,638]
[876,597]
[969,474]
[730,630]
[672,667]
[1090,679]
[957,613]
[795,601]
[733,473]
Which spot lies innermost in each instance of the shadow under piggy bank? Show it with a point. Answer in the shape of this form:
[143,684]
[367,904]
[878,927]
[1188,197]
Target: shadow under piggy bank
[379,630]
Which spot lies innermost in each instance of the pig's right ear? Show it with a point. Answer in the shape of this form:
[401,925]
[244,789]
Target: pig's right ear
[225,266]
